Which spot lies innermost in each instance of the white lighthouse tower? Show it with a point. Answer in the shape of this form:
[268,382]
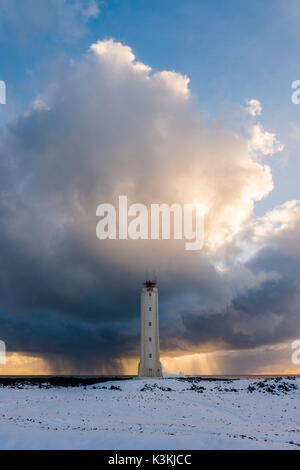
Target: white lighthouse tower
[149,365]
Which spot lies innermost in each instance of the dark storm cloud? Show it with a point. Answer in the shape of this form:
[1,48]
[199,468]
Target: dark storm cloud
[110,128]
[67,344]
[93,334]
[266,315]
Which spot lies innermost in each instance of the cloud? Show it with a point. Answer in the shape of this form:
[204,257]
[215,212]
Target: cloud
[29,19]
[91,10]
[254,107]
[263,142]
[111,126]
[276,222]
[266,313]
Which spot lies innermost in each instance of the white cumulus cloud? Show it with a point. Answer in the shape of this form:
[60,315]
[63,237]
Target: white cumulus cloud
[254,107]
[263,142]
[113,127]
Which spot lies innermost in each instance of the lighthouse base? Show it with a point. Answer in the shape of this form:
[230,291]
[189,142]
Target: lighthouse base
[150,371]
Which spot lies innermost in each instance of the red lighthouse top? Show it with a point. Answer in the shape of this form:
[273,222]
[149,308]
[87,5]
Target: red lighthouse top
[150,285]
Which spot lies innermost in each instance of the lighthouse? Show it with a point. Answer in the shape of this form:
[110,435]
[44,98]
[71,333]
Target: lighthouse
[149,365]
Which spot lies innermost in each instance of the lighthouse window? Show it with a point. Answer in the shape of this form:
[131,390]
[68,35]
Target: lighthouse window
[150,355]
[150,323]
[150,308]
[150,340]
[149,294]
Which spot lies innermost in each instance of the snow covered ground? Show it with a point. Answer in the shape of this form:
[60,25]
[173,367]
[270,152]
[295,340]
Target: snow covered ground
[153,414]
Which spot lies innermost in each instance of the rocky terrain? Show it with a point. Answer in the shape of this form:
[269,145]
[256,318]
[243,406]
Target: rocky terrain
[171,413]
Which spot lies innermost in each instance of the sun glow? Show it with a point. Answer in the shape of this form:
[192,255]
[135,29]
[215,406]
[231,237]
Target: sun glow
[22,364]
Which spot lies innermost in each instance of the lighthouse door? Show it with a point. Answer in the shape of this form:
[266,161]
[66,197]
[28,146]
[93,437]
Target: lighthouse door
[150,372]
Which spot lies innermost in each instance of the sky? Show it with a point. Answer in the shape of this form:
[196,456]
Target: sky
[164,102]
